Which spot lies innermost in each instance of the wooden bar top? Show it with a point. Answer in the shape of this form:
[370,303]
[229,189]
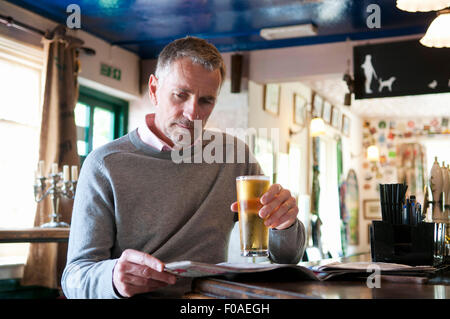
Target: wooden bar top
[34,235]
[390,287]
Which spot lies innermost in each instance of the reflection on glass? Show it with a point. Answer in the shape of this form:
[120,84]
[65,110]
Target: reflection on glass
[439,292]
[17,106]
[82,123]
[81,115]
[82,147]
[103,127]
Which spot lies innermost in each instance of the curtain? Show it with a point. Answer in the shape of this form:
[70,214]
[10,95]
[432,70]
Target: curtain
[46,261]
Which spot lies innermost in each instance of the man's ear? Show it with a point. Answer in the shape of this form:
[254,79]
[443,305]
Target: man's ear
[152,87]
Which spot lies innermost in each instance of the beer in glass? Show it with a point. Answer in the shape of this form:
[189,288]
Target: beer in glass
[254,234]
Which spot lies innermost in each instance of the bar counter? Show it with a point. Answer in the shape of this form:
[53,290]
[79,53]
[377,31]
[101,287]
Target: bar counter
[397,287]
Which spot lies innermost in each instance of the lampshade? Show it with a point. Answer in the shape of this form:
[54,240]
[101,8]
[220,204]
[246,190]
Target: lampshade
[422,5]
[317,127]
[438,33]
[373,154]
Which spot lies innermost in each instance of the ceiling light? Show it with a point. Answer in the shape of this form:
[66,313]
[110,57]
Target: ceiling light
[317,127]
[422,5]
[293,31]
[438,33]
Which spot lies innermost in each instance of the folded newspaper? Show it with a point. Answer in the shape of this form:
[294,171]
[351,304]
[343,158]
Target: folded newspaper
[321,272]
[366,267]
[198,269]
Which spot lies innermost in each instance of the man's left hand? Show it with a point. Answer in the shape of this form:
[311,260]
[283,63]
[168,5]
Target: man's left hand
[279,207]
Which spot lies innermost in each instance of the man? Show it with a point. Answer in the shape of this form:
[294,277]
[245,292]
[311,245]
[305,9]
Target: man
[136,209]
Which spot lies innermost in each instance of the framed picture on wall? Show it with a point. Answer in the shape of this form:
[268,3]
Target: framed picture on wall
[300,104]
[372,209]
[336,118]
[317,105]
[272,98]
[345,125]
[326,114]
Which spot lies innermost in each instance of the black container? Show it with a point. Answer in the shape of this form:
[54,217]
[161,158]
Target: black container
[403,244]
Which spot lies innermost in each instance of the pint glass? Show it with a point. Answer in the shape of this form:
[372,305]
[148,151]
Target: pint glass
[254,234]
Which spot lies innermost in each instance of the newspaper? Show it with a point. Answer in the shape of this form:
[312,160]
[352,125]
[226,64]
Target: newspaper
[365,265]
[363,269]
[198,269]
[320,273]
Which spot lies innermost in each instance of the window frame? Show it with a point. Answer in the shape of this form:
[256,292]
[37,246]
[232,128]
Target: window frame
[96,99]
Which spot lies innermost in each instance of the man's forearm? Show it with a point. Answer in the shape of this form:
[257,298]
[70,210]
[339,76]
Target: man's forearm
[89,279]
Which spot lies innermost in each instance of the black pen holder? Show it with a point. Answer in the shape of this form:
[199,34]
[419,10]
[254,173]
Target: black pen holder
[406,244]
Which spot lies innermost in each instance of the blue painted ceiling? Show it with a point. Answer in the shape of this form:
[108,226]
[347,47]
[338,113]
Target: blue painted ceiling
[145,26]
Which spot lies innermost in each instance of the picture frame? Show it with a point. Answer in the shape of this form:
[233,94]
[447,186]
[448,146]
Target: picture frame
[336,118]
[345,125]
[326,113]
[300,108]
[372,209]
[272,98]
[317,105]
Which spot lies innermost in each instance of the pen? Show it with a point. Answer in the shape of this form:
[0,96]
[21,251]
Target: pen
[409,212]
[419,213]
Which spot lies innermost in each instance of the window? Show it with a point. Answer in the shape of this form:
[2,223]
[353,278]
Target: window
[99,118]
[436,147]
[329,197]
[20,119]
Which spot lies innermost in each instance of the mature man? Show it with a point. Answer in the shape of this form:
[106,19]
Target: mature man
[136,209]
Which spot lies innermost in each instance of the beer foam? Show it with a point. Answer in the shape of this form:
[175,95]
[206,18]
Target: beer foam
[253,177]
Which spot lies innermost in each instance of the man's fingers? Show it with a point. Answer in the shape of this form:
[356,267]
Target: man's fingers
[134,280]
[234,207]
[145,266]
[146,272]
[272,205]
[135,269]
[141,258]
[286,220]
[271,193]
[280,211]
[163,276]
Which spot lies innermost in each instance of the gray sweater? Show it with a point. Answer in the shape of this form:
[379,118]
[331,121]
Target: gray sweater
[131,196]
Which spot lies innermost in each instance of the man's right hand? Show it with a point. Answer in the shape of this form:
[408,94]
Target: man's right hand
[137,272]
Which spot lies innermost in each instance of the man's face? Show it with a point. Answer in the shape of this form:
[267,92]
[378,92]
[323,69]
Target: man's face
[186,93]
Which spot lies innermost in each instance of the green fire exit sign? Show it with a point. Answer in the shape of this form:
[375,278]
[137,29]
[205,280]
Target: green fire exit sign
[110,71]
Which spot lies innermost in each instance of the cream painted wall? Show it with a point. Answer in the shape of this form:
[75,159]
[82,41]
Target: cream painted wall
[293,63]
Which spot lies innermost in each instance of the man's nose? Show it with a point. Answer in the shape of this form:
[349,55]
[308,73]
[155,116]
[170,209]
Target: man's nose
[191,110]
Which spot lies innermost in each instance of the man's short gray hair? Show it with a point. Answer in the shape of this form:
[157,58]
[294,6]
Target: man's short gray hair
[198,50]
